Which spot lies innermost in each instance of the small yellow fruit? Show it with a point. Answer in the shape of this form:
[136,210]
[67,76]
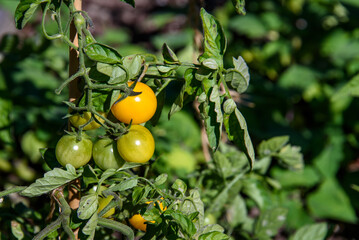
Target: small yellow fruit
[102,203]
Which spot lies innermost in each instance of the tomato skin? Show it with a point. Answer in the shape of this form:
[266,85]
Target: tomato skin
[69,150]
[105,154]
[102,203]
[138,222]
[77,120]
[137,145]
[139,108]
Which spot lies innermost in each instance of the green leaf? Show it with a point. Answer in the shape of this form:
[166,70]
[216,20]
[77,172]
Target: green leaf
[16,230]
[237,131]
[138,194]
[161,179]
[317,231]
[90,227]
[213,236]
[330,201]
[131,2]
[10,190]
[212,115]
[88,206]
[229,106]
[237,211]
[105,68]
[291,157]
[169,56]
[299,77]
[89,176]
[183,221]
[125,185]
[256,190]
[118,75]
[214,39]
[51,180]
[133,64]
[270,221]
[102,53]
[249,25]
[351,88]
[272,145]
[223,165]
[194,206]
[239,6]
[180,186]
[210,63]
[101,99]
[306,177]
[25,10]
[238,77]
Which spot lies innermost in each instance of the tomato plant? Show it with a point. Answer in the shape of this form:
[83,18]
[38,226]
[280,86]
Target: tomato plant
[102,203]
[138,107]
[70,150]
[105,154]
[137,145]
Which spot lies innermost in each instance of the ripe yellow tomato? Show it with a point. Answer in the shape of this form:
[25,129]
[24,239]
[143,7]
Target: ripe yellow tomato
[138,222]
[78,120]
[102,203]
[139,108]
[137,145]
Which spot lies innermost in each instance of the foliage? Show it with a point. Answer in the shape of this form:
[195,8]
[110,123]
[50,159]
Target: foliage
[296,67]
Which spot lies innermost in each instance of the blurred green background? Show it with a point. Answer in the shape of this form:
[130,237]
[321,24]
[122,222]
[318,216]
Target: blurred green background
[303,58]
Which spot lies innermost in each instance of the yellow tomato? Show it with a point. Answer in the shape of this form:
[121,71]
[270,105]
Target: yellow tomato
[102,203]
[139,108]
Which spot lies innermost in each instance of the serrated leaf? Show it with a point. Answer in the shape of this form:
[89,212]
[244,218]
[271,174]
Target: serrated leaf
[180,186]
[239,6]
[317,231]
[213,118]
[90,227]
[133,64]
[272,145]
[125,185]
[161,179]
[101,100]
[194,206]
[238,78]
[214,236]
[270,221]
[24,11]
[168,55]
[183,221]
[51,180]
[88,206]
[102,53]
[237,132]
[214,39]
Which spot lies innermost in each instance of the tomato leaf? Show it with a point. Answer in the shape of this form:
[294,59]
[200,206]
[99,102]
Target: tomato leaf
[291,157]
[237,211]
[24,11]
[223,165]
[212,115]
[124,185]
[133,64]
[90,227]
[51,180]
[272,145]
[270,221]
[118,75]
[213,236]
[239,6]
[102,53]
[89,175]
[101,99]
[238,77]
[48,154]
[185,224]
[316,231]
[161,179]
[194,206]
[168,55]
[180,186]
[214,39]
[88,206]
[161,97]
[237,132]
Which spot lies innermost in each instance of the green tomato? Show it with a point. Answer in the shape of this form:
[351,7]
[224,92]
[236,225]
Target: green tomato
[69,150]
[137,145]
[105,154]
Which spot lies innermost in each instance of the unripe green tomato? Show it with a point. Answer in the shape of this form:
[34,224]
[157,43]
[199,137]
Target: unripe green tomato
[102,203]
[69,150]
[137,145]
[105,154]
[77,120]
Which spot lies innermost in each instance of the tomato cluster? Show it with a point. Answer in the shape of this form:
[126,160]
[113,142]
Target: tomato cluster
[137,145]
